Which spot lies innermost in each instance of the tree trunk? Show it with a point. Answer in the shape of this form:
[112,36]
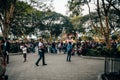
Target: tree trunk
[8,12]
[107,35]
[6,30]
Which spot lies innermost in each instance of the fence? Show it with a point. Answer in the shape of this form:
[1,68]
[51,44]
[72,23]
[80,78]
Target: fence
[112,65]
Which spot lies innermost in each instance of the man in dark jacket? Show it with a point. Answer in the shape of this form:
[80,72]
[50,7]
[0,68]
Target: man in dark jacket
[6,50]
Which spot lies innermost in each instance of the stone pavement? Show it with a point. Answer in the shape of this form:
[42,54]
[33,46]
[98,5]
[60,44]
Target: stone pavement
[80,68]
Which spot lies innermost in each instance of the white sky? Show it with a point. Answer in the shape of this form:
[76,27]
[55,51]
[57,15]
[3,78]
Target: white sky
[60,6]
[86,10]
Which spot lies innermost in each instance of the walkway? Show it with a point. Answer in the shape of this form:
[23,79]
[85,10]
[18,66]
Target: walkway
[80,68]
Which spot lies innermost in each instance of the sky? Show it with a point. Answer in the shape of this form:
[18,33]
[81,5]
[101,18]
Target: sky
[60,6]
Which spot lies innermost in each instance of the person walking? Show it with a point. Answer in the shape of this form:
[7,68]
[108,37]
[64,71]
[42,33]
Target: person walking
[69,50]
[41,52]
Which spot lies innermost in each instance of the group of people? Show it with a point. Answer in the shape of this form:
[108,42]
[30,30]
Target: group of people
[81,49]
[65,47]
[41,52]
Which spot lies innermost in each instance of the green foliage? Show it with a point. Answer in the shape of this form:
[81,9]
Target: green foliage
[112,10]
[93,52]
[100,52]
[45,35]
[77,24]
[114,37]
[27,19]
[89,38]
[5,5]
[22,17]
[55,22]
[114,19]
[14,48]
[75,6]
[22,8]
[84,38]
[1,37]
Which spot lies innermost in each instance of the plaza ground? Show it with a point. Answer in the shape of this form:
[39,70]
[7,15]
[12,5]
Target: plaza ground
[80,68]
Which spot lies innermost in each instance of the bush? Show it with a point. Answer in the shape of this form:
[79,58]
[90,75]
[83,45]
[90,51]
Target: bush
[1,37]
[99,52]
[14,48]
[93,52]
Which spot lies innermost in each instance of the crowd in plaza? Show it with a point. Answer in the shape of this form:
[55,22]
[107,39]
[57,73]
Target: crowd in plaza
[80,48]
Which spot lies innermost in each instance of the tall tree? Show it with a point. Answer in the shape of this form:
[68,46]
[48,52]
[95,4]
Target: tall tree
[21,23]
[54,22]
[6,9]
[76,21]
[103,11]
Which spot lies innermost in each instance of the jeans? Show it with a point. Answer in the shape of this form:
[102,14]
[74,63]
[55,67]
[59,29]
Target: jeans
[69,56]
[41,56]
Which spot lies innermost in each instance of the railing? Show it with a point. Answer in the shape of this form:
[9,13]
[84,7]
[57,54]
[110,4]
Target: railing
[112,65]
[112,69]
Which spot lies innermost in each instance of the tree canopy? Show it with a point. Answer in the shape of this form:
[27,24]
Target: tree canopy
[102,22]
[27,20]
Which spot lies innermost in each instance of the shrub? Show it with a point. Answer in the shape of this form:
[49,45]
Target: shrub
[14,48]
[93,52]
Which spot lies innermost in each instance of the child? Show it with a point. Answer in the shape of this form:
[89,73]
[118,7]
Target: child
[24,50]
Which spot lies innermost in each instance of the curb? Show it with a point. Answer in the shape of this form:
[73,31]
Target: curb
[99,76]
[91,57]
[19,53]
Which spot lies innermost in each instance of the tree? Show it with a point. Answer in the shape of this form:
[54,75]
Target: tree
[115,4]
[22,21]
[75,7]
[114,37]
[7,9]
[76,21]
[103,23]
[55,22]
[114,19]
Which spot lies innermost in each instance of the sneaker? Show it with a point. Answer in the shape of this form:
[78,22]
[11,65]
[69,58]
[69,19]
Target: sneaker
[69,60]
[44,64]
[36,64]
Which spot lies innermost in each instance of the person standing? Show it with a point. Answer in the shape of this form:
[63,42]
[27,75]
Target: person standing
[6,50]
[24,50]
[2,63]
[69,50]
[41,52]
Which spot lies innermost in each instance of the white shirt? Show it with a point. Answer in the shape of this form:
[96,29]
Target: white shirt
[40,45]
[24,49]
